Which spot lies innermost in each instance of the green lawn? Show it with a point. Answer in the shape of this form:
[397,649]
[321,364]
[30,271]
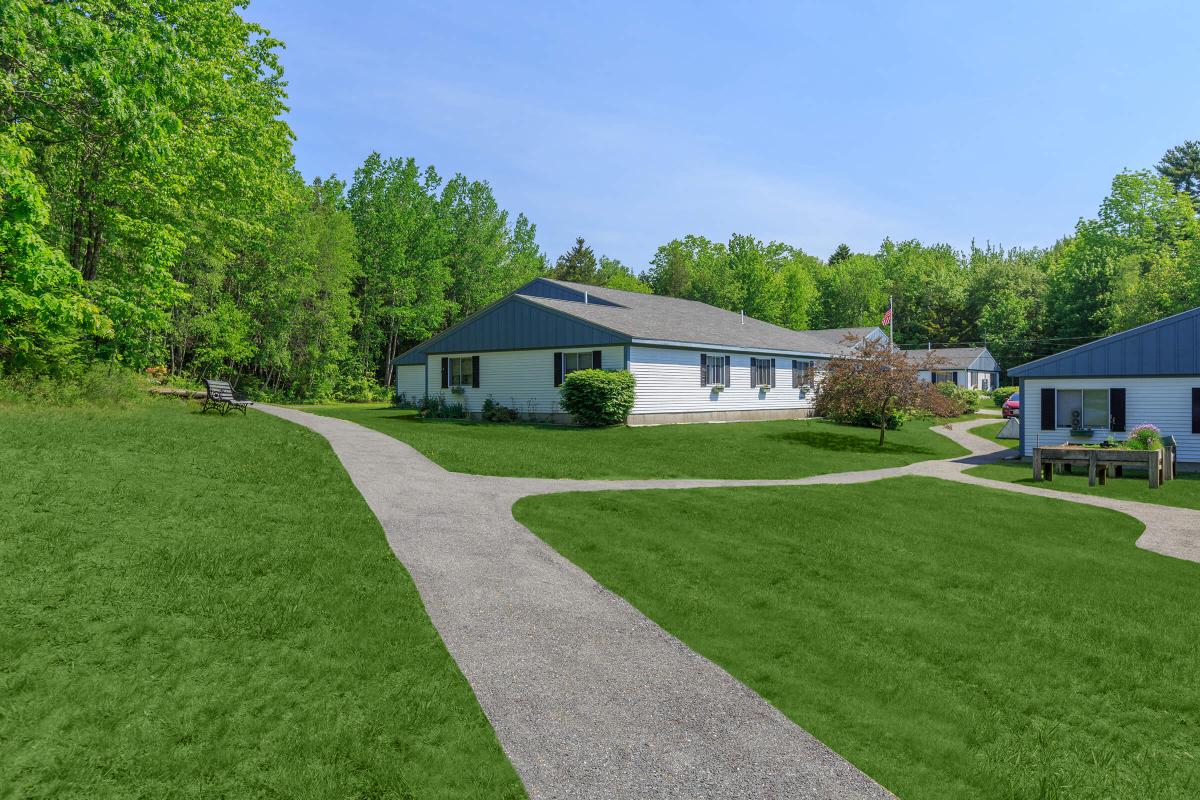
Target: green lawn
[777,449]
[951,641]
[1184,491]
[989,432]
[204,606]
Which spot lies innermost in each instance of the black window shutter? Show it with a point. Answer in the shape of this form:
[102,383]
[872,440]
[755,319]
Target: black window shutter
[795,374]
[1047,409]
[753,371]
[772,373]
[558,369]
[475,372]
[1116,409]
[1195,410]
[704,369]
[597,359]
[445,373]
[954,375]
[728,377]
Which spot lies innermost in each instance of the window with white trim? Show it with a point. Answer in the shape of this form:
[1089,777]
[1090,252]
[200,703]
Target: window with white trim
[576,361]
[762,372]
[804,374]
[1082,408]
[460,371]
[714,370]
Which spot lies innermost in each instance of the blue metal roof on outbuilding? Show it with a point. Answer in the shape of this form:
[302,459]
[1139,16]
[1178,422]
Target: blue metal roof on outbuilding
[1169,346]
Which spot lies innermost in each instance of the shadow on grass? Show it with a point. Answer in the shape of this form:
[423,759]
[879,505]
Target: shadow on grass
[847,443]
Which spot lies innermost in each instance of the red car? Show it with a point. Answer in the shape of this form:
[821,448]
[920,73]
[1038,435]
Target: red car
[1012,406]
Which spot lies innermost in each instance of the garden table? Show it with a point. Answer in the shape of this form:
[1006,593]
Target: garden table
[1098,460]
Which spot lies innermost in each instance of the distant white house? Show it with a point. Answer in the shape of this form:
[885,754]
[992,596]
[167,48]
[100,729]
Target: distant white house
[692,362]
[1148,374]
[972,367]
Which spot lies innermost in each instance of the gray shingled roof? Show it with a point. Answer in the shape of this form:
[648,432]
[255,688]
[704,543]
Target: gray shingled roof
[671,319]
[948,357]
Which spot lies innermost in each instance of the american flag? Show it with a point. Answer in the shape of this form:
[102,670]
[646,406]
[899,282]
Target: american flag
[886,317]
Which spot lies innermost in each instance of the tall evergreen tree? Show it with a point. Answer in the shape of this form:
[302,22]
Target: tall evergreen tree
[1181,166]
[840,254]
[577,264]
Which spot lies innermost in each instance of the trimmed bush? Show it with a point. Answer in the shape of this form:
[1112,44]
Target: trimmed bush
[1002,394]
[598,397]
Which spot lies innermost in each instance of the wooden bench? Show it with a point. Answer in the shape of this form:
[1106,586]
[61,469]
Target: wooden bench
[1159,464]
[220,397]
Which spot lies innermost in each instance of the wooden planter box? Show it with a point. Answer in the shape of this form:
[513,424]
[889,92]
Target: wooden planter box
[1159,464]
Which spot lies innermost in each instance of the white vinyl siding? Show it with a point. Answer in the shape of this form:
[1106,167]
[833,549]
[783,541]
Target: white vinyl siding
[1165,402]
[410,381]
[520,379]
[668,382]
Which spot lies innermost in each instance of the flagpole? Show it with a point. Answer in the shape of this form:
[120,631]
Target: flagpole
[891,324]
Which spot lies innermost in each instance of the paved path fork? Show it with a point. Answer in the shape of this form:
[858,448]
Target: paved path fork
[588,697]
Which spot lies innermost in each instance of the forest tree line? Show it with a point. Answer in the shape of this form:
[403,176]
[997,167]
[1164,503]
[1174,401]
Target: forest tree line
[151,215]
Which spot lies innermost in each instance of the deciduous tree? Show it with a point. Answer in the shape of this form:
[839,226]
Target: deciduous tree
[875,381]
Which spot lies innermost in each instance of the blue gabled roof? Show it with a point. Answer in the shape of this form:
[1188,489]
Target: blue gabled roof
[1169,346]
[513,323]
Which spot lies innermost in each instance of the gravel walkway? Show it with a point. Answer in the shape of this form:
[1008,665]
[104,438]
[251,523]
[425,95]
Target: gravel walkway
[588,697]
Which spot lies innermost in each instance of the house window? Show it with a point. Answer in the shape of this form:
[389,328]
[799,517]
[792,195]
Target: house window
[714,370]
[575,361]
[803,374]
[762,372]
[461,371]
[1082,408]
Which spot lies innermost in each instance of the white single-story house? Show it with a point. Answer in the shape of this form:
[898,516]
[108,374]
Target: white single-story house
[1148,374]
[972,367]
[692,362]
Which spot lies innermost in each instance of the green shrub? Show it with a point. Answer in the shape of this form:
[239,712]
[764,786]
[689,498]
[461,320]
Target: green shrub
[359,389]
[1003,393]
[863,418]
[97,385]
[598,397]
[436,407]
[494,412]
[1144,437]
[967,398]
[402,400]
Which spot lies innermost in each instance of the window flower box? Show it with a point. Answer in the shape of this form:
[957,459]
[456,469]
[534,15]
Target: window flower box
[458,390]
[717,387]
[763,387]
[1081,433]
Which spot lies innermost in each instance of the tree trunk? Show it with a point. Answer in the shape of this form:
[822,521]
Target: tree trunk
[391,353]
[883,416]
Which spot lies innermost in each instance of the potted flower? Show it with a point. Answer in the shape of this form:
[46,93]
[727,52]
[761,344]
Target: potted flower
[1144,437]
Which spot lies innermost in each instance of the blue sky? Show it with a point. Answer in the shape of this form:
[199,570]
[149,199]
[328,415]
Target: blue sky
[810,123]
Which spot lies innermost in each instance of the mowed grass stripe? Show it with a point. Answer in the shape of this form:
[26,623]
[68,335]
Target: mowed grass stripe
[951,641]
[205,606]
[1183,492]
[764,450]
